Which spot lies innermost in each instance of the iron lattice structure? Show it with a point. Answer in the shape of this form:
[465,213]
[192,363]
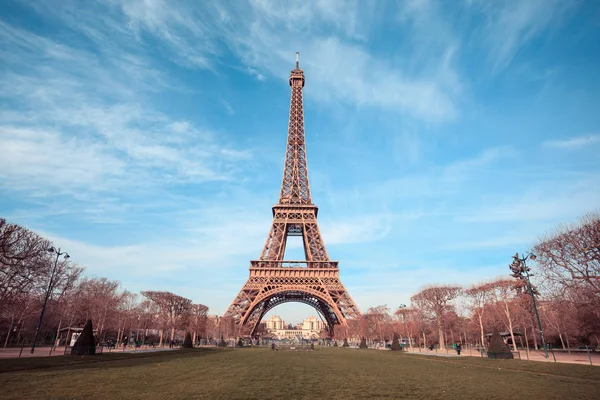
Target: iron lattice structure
[314,281]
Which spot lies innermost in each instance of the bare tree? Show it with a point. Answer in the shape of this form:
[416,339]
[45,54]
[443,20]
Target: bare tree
[377,319]
[126,311]
[24,261]
[174,310]
[571,257]
[504,292]
[435,300]
[147,312]
[65,285]
[198,320]
[568,268]
[100,300]
[410,321]
[478,296]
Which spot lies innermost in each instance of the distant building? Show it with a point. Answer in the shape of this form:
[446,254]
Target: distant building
[310,328]
[275,323]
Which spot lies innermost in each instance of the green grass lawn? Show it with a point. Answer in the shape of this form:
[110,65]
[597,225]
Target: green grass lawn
[332,373]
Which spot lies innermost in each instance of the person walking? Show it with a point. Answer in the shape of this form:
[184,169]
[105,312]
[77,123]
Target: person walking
[458,348]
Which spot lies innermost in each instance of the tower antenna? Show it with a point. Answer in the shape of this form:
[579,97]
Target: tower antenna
[297,53]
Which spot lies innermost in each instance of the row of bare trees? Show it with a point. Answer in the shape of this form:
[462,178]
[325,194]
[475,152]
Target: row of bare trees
[25,270]
[566,282]
[566,276]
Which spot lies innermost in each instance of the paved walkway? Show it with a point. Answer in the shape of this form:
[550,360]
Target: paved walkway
[576,357]
[59,351]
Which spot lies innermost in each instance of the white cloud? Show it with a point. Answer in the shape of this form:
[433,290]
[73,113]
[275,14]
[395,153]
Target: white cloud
[357,229]
[513,24]
[35,159]
[458,170]
[573,143]
[84,125]
[265,35]
[564,197]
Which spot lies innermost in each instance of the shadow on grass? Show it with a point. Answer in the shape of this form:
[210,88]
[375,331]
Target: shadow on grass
[577,371]
[105,360]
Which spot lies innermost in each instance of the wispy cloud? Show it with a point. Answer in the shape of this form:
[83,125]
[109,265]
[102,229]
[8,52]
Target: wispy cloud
[460,169]
[514,24]
[75,124]
[573,143]
[265,35]
[358,229]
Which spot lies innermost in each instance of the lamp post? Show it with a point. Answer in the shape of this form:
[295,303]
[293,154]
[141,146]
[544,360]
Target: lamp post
[521,271]
[48,290]
[400,308]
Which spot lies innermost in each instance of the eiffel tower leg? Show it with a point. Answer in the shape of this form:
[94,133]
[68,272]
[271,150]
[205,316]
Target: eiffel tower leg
[275,245]
[324,310]
[263,310]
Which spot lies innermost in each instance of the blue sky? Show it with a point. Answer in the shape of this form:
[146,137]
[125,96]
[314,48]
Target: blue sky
[147,137]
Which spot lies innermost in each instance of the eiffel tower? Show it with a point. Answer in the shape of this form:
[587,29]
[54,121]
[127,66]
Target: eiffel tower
[315,280]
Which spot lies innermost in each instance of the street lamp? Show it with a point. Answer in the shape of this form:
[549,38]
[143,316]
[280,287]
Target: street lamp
[48,290]
[521,271]
[401,307]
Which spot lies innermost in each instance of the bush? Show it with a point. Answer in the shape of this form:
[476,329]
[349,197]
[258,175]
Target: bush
[187,342]
[85,344]
[363,343]
[312,346]
[345,343]
[335,343]
[498,349]
[240,343]
[396,343]
[222,342]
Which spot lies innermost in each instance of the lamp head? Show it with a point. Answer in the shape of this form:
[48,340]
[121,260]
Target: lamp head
[67,256]
[532,257]
[50,250]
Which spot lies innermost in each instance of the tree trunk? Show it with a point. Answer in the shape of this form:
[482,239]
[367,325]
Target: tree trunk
[119,332]
[57,341]
[481,328]
[441,336]
[20,326]
[568,344]
[526,341]
[424,340]
[535,343]
[562,342]
[510,325]
[512,335]
[10,328]
[160,335]
[67,338]
[172,333]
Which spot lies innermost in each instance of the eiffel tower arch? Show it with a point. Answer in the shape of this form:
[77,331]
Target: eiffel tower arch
[313,281]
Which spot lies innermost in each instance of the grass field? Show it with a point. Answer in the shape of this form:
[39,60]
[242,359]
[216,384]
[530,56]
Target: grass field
[332,373]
